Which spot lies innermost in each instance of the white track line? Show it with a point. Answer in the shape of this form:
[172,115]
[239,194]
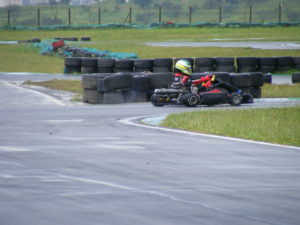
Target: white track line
[48,97]
[130,121]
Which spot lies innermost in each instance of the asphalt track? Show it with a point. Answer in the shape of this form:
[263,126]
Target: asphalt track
[95,164]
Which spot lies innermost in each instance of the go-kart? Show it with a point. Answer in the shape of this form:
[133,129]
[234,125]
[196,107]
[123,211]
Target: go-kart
[216,94]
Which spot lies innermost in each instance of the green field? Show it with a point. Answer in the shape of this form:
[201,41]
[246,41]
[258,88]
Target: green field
[275,125]
[21,57]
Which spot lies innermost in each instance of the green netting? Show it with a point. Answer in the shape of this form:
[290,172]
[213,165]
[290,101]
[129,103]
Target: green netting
[150,26]
[45,48]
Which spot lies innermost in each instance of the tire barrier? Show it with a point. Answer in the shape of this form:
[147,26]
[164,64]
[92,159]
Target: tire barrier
[199,65]
[296,78]
[116,88]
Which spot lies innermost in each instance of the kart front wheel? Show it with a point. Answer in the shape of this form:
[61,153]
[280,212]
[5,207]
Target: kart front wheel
[190,99]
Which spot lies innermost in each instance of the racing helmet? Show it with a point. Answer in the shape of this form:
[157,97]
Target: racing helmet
[184,66]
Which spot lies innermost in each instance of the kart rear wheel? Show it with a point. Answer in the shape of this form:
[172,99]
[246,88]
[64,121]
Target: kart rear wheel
[235,99]
[190,99]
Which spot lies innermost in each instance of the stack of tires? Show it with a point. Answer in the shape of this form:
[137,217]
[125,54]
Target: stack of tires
[204,65]
[162,65]
[88,65]
[267,64]
[248,82]
[246,64]
[116,89]
[296,63]
[123,65]
[225,64]
[143,65]
[199,65]
[296,78]
[90,88]
[105,65]
[72,65]
[125,87]
[284,63]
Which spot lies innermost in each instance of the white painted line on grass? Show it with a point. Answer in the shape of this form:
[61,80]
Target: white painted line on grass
[130,121]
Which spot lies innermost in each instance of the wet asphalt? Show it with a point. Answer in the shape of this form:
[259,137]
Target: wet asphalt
[79,164]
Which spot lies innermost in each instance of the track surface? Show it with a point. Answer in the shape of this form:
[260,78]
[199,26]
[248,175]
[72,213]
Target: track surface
[78,164]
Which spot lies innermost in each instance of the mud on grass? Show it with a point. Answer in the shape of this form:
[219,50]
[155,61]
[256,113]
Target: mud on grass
[275,125]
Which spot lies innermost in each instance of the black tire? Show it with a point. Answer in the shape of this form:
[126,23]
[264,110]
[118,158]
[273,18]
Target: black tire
[72,69]
[285,68]
[246,69]
[205,62]
[89,62]
[89,70]
[246,61]
[163,62]
[224,68]
[257,79]
[267,69]
[114,97]
[256,92]
[296,60]
[190,99]
[204,69]
[241,80]
[116,70]
[91,96]
[90,81]
[267,79]
[266,61]
[221,61]
[73,61]
[124,64]
[284,61]
[105,70]
[107,63]
[162,69]
[143,65]
[160,80]
[235,99]
[85,39]
[116,82]
[141,83]
[296,77]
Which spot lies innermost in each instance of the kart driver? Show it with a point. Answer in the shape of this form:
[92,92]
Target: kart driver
[183,78]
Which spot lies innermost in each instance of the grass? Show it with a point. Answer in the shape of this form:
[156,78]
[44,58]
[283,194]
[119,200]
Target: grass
[22,58]
[275,125]
[281,91]
[63,85]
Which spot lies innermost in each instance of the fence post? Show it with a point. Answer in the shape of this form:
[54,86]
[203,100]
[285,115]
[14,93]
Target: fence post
[8,17]
[279,12]
[130,14]
[99,16]
[250,14]
[220,14]
[39,17]
[69,17]
[190,14]
[159,15]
